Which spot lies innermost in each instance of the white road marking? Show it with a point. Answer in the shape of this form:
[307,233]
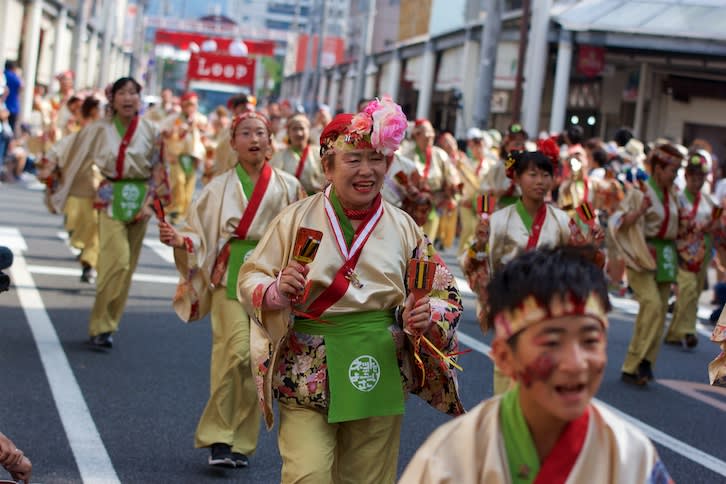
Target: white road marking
[708,461]
[704,330]
[163,251]
[67,271]
[94,463]
[474,343]
[64,237]
[689,452]
[11,238]
[463,286]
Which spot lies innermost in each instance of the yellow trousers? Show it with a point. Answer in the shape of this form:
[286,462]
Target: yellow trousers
[317,452]
[120,247]
[469,221]
[685,313]
[431,227]
[232,414]
[648,331]
[81,223]
[447,228]
[182,190]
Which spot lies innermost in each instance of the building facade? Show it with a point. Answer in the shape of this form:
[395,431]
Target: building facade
[47,37]
[658,66]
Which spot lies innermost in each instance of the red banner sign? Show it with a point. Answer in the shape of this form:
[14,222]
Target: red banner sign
[181,40]
[215,67]
[333,51]
[590,60]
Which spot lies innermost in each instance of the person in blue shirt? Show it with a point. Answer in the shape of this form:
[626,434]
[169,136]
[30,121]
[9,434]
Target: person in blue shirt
[14,86]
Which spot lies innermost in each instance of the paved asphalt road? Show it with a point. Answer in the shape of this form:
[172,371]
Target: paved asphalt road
[129,415]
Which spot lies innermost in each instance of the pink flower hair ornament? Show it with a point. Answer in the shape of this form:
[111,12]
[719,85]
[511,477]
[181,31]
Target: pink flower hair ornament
[381,126]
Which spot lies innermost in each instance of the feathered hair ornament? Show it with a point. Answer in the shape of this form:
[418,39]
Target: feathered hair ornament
[549,148]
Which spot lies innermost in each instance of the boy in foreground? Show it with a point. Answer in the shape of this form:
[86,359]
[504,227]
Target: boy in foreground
[551,338]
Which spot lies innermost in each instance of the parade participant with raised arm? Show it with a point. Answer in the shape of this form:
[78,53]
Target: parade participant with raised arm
[341,338]
[395,189]
[435,169]
[125,148]
[552,340]
[530,223]
[223,227]
[183,150]
[645,230]
[483,176]
[301,158]
[700,215]
[450,210]
[71,190]
[576,188]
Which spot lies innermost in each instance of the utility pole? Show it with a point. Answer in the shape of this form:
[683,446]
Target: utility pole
[523,36]
[365,48]
[137,52]
[108,28]
[322,30]
[488,61]
[79,32]
[305,87]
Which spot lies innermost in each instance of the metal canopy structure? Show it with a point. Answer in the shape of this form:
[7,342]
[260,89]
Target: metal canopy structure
[697,25]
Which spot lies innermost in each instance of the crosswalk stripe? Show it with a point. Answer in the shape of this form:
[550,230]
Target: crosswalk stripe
[67,271]
[94,463]
[163,251]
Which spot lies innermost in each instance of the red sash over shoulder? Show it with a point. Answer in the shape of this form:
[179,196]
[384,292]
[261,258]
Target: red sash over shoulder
[341,281]
[301,163]
[125,141]
[556,467]
[537,224]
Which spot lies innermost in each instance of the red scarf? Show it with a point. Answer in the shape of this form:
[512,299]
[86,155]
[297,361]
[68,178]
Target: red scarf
[125,141]
[341,281]
[301,163]
[558,464]
[537,224]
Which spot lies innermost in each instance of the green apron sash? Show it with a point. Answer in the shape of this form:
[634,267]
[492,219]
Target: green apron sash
[186,162]
[363,373]
[666,259]
[239,250]
[524,215]
[507,200]
[128,198]
[521,453]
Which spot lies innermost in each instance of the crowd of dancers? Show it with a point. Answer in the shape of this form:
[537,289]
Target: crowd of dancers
[313,246]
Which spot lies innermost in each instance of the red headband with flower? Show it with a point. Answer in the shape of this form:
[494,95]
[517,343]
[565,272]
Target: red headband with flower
[248,115]
[381,126]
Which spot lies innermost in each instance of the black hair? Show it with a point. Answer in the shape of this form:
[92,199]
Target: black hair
[575,134]
[10,65]
[89,104]
[238,100]
[663,155]
[117,86]
[524,160]
[600,156]
[546,274]
[622,136]
[121,83]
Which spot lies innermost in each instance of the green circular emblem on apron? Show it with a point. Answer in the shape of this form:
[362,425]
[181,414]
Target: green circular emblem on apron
[131,193]
[364,373]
